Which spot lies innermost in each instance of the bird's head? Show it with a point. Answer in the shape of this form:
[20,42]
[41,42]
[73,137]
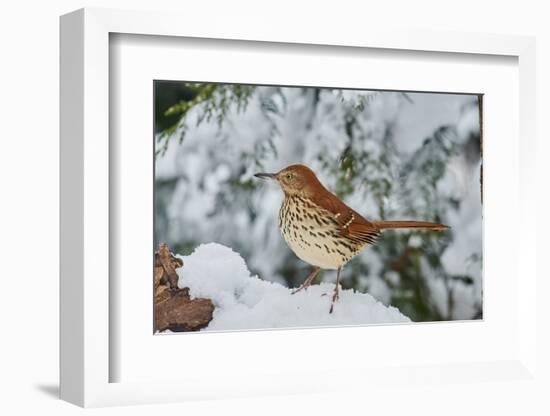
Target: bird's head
[294,180]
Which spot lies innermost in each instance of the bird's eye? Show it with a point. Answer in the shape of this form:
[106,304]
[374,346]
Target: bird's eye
[289,175]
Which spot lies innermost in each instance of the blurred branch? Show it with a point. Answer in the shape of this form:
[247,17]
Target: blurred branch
[211,101]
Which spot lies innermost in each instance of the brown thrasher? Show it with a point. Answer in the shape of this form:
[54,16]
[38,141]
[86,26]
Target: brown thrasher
[320,229]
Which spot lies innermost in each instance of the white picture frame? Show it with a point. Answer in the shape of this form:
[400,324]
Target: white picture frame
[86,356]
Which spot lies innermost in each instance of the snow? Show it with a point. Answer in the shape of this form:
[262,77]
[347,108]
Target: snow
[243,301]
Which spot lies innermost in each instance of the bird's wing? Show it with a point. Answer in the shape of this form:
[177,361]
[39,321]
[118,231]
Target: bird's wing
[351,224]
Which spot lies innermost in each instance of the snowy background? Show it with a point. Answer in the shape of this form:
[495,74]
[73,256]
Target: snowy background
[389,155]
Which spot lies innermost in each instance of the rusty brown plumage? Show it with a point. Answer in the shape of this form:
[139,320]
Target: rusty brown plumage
[321,229]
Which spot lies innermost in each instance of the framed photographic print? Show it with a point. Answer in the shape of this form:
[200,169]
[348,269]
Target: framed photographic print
[227,198]
[395,154]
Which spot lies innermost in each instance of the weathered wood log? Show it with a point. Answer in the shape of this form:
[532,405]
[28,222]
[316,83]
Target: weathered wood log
[174,308]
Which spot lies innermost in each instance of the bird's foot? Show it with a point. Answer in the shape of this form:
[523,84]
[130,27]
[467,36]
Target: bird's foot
[308,281]
[299,289]
[335,297]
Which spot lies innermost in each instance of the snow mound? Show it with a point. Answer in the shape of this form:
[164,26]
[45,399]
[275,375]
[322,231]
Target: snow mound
[243,301]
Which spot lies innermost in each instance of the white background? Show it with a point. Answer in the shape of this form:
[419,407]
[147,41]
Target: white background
[29,224]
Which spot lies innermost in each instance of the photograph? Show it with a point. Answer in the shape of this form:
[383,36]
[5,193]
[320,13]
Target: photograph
[305,206]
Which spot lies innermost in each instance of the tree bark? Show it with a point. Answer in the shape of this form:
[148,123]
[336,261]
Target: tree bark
[174,308]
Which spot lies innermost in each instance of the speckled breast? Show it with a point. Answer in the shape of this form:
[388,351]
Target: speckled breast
[313,234]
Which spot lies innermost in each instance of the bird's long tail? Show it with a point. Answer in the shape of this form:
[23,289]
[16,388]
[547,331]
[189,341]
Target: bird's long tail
[384,225]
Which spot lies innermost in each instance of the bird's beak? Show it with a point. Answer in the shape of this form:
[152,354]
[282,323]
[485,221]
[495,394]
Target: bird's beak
[266,175]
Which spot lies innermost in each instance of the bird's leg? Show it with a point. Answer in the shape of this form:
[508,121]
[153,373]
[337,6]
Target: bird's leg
[308,281]
[336,295]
